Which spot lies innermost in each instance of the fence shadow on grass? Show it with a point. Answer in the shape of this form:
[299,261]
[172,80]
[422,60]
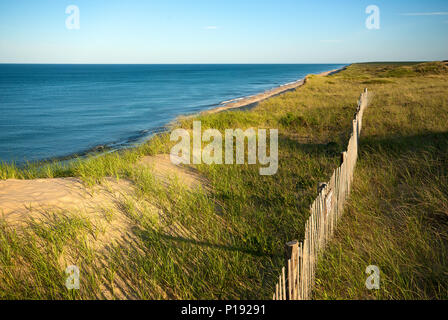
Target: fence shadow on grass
[145,235]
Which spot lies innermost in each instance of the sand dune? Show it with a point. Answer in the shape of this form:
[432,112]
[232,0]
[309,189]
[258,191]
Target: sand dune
[41,199]
[20,198]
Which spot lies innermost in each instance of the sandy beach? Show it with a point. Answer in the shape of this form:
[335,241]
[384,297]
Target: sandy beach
[251,101]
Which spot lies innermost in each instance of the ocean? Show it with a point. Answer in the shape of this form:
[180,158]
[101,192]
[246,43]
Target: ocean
[55,111]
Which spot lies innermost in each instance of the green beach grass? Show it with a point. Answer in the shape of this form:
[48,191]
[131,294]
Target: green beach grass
[226,241]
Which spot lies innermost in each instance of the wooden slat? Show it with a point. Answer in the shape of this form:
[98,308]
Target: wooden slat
[290,280]
[284,284]
[276,292]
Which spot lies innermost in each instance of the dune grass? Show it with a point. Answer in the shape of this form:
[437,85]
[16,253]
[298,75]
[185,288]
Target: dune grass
[397,216]
[31,257]
[226,241]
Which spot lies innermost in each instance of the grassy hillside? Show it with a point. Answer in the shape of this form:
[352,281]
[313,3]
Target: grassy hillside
[397,217]
[227,240]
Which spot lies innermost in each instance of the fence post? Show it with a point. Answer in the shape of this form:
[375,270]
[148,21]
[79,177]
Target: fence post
[321,186]
[292,255]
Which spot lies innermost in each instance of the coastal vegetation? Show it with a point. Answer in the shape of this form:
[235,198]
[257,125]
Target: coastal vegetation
[225,238]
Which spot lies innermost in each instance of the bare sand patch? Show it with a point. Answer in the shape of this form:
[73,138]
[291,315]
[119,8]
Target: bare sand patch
[23,200]
[19,197]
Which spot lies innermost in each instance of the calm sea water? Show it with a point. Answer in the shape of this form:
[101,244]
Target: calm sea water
[49,111]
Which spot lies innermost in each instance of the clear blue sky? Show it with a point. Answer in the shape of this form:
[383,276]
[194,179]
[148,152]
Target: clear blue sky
[222,31]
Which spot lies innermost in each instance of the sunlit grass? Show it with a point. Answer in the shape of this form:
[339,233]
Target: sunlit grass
[226,241]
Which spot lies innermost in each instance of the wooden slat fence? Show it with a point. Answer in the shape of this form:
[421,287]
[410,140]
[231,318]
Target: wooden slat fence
[297,278]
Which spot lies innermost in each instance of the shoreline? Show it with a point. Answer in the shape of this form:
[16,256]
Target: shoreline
[242,103]
[249,102]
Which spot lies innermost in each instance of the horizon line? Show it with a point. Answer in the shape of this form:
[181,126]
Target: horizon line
[211,63]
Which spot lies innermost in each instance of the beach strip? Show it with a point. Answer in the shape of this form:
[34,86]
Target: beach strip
[251,101]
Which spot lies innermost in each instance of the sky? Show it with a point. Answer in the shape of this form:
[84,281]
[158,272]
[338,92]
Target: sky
[222,31]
